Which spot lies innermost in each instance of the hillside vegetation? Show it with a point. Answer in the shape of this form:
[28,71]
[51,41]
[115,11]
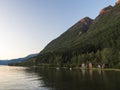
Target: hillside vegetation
[96,41]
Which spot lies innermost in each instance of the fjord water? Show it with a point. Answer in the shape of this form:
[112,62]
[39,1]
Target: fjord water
[22,78]
[18,78]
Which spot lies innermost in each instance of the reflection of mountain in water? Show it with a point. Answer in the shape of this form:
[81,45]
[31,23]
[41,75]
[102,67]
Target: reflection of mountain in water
[64,79]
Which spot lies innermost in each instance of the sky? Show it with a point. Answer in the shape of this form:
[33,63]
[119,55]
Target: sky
[27,26]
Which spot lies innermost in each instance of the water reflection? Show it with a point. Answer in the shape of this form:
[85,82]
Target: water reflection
[16,78]
[83,72]
[99,71]
[90,72]
[65,79]
[21,78]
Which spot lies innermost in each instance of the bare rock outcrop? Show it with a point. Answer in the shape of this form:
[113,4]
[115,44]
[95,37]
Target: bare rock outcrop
[83,24]
[106,9]
[117,3]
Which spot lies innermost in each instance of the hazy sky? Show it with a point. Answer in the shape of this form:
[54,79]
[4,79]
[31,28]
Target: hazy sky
[27,26]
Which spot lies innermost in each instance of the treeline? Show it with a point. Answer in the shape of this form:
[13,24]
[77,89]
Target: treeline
[99,45]
[102,49]
[107,56]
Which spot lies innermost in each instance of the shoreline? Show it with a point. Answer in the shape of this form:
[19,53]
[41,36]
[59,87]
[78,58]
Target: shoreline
[69,68]
[78,68]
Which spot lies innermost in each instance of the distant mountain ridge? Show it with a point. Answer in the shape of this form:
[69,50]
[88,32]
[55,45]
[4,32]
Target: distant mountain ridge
[18,60]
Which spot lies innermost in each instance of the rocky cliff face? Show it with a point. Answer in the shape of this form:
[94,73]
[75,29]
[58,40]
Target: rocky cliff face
[83,24]
[117,3]
[106,9]
[103,12]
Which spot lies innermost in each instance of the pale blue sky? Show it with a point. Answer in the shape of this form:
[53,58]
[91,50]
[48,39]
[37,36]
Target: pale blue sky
[27,26]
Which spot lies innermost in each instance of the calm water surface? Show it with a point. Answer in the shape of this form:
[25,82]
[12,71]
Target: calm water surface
[22,78]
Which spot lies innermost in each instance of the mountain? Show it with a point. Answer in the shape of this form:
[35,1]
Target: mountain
[117,3]
[105,10]
[88,41]
[18,60]
[68,38]
[3,62]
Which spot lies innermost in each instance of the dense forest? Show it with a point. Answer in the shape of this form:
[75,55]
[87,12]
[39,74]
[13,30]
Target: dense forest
[88,41]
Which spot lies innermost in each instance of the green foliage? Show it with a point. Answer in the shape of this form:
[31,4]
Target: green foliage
[99,45]
[106,55]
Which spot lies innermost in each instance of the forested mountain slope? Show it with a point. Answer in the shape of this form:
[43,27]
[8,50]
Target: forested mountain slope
[96,41]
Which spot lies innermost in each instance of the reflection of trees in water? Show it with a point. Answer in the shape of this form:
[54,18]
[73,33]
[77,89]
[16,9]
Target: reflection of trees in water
[64,79]
[111,80]
[99,71]
[90,72]
[83,72]
[60,79]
